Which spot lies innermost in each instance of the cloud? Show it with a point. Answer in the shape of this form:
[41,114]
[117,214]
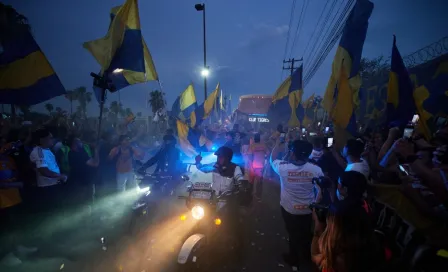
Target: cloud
[262,33]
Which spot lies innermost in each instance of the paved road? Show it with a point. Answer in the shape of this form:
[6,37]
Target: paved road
[155,247]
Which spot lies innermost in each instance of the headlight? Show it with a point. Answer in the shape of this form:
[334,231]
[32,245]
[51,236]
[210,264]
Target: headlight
[197,212]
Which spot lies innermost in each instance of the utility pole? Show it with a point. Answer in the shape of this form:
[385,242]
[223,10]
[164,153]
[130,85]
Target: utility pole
[291,63]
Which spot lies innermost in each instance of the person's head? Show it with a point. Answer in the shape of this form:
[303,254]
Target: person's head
[236,127]
[425,155]
[228,136]
[124,140]
[169,140]
[74,142]
[353,149]
[351,185]
[280,128]
[301,150]
[44,138]
[257,137]
[317,143]
[224,155]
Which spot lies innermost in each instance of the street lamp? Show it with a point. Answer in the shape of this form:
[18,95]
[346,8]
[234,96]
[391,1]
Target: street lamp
[205,72]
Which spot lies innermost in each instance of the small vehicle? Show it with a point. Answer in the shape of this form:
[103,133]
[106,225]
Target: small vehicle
[208,211]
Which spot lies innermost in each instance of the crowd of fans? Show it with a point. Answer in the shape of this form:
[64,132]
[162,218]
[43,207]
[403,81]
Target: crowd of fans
[338,192]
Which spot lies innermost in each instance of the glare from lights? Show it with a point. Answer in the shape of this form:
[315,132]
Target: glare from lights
[218,221]
[183,217]
[197,212]
[205,72]
[118,70]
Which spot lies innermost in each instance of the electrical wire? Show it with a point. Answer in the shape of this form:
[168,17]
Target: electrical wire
[299,25]
[291,17]
[314,30]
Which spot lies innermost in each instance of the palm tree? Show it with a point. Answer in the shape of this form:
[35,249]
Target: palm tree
[156,100]
[49,107]
[128,112]
[84,98]
[71,96]
[115,107]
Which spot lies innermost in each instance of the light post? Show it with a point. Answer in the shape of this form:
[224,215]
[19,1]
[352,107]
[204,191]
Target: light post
[205,72]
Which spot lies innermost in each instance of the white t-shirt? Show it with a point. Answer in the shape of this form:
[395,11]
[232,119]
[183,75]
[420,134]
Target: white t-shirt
[361,167]
[297,189]
[42,157]
[316,154]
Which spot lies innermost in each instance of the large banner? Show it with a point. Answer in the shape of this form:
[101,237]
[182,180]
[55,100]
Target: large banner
[430,81]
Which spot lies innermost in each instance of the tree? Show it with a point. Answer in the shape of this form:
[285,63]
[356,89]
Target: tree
[12,23]
[71,96]
[84,98]
[156,100]
[49,107]
[372,70]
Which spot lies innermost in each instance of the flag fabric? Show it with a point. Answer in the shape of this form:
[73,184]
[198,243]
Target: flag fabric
[123,54]
[191,140]
[309,111]
[26,76]
[185,105]
[400,101]
[432,99]
[341,96]
[288,97]
[205,109]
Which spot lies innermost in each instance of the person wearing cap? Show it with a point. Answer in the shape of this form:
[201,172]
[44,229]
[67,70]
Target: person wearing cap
[223,166]
[297,193]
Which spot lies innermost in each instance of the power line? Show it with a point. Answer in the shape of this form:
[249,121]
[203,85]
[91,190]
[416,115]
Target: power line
[317,24]
[291,17]
[300,24]
[332,38]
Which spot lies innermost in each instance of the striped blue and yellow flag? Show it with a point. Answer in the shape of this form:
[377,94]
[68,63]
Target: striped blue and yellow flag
[341,96]
[191,140]
[400,101]
[205,109]
[123,54]
[26,76]
[288,98]
[185,105]
[309,111]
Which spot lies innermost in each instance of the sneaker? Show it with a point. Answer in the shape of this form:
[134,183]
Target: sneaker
[10,260]
[289,260]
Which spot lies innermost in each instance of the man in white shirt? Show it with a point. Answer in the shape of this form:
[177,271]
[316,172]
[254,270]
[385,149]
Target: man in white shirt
[47,170]
[352,154]
[297,192]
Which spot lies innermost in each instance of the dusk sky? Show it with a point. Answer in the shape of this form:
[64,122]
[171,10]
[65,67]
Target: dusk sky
[245,41]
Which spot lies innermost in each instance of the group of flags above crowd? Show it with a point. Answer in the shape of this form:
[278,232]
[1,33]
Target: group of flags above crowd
[26,77]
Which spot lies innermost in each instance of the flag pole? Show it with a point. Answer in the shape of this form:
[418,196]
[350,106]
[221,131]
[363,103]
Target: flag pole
[103,83]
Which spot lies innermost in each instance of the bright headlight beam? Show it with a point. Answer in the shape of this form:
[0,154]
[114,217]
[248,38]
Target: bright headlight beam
[197,212]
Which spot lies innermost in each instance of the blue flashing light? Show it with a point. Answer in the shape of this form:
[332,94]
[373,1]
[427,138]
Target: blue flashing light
[214,148]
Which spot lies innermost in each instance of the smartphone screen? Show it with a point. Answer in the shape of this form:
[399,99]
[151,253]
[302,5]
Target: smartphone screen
[303,130]
[313,133]
[329,142]
[415,119]
[408,132]
[327,129]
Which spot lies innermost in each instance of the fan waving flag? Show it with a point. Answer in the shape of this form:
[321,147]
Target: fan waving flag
[288,97]
[185,105]
[203,111]
[400,100]
[123,54]
[341,96]
[191,140]
[26,76]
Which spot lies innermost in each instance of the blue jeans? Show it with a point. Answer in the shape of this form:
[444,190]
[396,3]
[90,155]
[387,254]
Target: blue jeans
[125,179]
